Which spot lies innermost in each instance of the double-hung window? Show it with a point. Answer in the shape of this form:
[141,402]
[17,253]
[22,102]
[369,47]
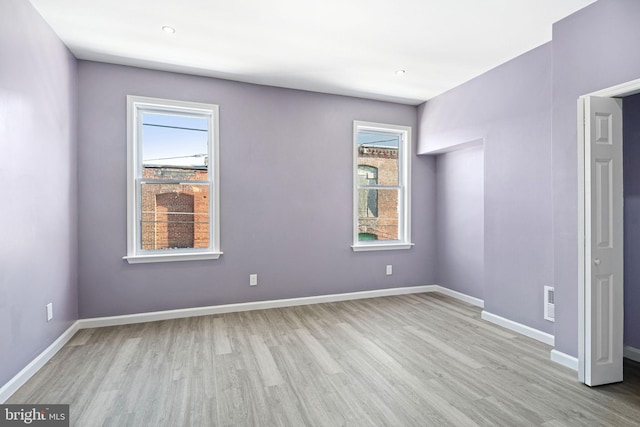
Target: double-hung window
[173,185]
[381,187]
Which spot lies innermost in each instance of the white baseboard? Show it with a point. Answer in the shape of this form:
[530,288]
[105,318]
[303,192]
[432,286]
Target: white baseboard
[519,328]
[564,359]
[572,362]
[23,376]
[126,319]
[460,296]
[631,353]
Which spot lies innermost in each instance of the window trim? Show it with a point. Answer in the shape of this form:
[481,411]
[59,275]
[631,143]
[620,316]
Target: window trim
[404,184]
[136,105]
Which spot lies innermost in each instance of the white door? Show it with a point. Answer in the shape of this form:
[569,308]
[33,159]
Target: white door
[603,292]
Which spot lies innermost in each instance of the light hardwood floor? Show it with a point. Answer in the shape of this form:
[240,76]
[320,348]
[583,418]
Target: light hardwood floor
[415,360]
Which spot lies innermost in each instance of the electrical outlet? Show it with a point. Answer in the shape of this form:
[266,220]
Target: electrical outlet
[389,270]
[253,279]
[49,311]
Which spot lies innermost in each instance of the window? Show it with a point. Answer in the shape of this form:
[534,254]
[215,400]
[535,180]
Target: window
[172,192]
[381,193]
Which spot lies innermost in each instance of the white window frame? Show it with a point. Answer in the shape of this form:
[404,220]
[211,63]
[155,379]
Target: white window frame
[136,106]
[404,187]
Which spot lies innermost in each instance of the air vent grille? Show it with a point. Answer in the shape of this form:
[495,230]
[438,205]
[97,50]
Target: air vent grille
[549,304]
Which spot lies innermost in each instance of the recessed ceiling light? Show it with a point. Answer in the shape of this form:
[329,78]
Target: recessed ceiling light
[168,29]
[401,72]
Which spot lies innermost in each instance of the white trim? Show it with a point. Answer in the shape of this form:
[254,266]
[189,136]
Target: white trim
[582,273]
[460,296]
[623,89]
[564,359]
[138,259]
[247,306]
[126,319]
[382,247]
[30,370]
[519,328]
[632,353]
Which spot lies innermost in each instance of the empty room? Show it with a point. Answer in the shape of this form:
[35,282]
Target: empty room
[288,213]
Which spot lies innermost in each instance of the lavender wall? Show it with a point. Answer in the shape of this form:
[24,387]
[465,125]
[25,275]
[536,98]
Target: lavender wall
[285,161]
[631,138]
[38,170]
[593,49]
[510,108]
[460,221]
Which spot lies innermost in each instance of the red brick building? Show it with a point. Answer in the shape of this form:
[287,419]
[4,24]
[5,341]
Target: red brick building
[175,215]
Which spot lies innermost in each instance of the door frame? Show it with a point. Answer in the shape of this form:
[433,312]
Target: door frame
[618,91]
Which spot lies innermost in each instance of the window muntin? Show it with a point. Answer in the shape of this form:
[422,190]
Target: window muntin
[173,187]
[381,186]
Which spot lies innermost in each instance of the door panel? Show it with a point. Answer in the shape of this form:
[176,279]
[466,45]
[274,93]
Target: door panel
[604,344]
[603,204]
[603,241]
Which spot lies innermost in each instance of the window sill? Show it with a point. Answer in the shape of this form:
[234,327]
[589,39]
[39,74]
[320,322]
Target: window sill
[382,247]
[140,259]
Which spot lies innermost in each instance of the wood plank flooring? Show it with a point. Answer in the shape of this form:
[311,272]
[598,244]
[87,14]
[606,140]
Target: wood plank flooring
[414,360]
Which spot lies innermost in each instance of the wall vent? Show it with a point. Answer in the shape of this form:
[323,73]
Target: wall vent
[549,304]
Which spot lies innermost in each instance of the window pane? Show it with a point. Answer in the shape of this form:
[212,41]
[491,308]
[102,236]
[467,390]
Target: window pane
[175,141]
[174,216]
[367,175]
[368,203]
[379,150]
[367,236]
[384,224]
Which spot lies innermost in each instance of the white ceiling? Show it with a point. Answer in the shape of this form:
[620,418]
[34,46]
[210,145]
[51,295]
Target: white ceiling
[348,47]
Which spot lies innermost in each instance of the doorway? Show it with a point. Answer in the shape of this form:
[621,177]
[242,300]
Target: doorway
[601,234]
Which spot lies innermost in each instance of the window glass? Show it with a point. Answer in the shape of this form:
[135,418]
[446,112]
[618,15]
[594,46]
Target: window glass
[380,150]
[174,216]
[382,220]
[174,140]
[367,198]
